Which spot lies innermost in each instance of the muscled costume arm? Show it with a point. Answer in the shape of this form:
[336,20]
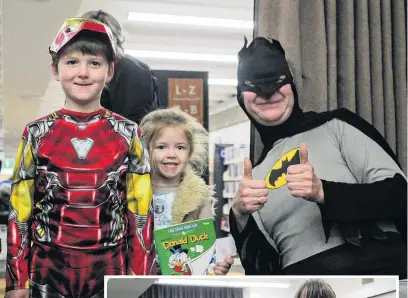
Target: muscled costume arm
[139,196]
[19,222]
[381,189]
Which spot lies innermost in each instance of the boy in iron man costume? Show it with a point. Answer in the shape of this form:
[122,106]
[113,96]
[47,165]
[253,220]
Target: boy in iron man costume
[81,191]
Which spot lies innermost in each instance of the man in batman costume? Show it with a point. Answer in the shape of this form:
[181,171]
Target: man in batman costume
[327,195]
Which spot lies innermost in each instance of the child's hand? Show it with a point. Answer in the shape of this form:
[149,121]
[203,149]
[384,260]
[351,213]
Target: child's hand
[223,267]
[21,293]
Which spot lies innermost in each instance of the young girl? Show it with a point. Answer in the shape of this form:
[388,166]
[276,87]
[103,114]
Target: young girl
[178,148]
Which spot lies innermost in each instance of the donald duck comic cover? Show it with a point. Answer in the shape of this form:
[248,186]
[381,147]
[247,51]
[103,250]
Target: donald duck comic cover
[187,248]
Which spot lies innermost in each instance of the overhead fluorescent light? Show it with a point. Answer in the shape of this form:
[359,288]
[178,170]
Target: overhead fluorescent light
[183,56]
[189,20]
[223,82]
[221,283]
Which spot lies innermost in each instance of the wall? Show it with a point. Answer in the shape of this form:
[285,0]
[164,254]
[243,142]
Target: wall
[344,287]
[1,84]
[235,134]
[268,292]
[228,117]
[381,287]
[387,295]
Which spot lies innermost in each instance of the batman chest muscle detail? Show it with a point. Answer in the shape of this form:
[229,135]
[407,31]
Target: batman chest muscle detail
[324,155]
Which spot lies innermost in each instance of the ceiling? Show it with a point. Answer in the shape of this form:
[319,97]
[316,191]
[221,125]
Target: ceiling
[29,90]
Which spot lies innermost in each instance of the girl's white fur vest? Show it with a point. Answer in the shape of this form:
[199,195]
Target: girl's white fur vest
[194,199]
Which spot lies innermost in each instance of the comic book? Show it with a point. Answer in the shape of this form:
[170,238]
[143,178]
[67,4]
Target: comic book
[187,248]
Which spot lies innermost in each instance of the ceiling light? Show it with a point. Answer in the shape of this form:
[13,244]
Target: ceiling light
[189,20]
[183,56]
[221,283]
[222,82]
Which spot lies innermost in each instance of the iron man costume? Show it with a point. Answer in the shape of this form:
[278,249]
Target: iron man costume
[80,205]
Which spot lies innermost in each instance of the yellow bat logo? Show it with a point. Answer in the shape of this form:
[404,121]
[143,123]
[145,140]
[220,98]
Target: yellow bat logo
[277,175]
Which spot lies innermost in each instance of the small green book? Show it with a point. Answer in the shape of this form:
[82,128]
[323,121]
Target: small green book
[187,248]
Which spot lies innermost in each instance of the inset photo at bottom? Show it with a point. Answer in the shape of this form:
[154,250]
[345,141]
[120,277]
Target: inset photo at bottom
[252,287]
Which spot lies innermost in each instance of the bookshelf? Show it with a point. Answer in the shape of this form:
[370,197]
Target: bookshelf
[232,159]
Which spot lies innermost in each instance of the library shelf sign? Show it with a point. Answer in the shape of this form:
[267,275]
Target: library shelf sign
[188,95]
[185,89]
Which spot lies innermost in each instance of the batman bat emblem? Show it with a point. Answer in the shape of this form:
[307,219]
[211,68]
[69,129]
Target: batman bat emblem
[277,175]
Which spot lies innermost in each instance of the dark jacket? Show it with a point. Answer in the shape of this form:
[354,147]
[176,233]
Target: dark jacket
[5,190]
[132,92]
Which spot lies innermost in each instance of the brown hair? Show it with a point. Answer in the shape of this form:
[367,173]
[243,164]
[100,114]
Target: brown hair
[86,43]
[196,135]
[315,288]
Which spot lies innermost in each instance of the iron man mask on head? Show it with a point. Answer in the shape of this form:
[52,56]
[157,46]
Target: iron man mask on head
[73,26]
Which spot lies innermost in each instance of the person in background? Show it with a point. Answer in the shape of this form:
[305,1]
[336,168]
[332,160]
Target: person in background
[132,92]
[5,191]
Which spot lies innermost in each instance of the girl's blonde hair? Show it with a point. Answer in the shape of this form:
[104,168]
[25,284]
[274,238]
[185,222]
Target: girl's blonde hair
[196,135]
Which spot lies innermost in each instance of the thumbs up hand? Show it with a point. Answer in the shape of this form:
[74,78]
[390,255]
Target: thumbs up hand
[302,181]
[247,169]
[251,194]
[303,154]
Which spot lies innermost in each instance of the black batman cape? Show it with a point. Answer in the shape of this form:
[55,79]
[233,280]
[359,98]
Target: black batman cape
[264,58]
[310,120]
